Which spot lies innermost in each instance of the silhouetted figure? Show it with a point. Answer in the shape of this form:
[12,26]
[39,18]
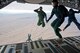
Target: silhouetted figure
[72,18]
[29,37]
[61,12]
[41,15]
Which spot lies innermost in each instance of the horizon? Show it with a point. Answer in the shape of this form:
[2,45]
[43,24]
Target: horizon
[15,7]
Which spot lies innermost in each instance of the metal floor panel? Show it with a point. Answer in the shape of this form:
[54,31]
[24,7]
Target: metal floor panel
[68,45]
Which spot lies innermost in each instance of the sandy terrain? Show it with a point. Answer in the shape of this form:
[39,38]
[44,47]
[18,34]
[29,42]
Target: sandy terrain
[14,29]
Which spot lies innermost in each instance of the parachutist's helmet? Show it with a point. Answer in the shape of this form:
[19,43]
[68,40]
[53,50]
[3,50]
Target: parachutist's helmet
[40,7]
[55,1]
[71,9]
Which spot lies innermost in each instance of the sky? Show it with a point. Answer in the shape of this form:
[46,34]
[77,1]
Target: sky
[15,7]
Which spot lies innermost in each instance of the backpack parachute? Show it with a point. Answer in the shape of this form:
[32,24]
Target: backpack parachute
[63,10]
